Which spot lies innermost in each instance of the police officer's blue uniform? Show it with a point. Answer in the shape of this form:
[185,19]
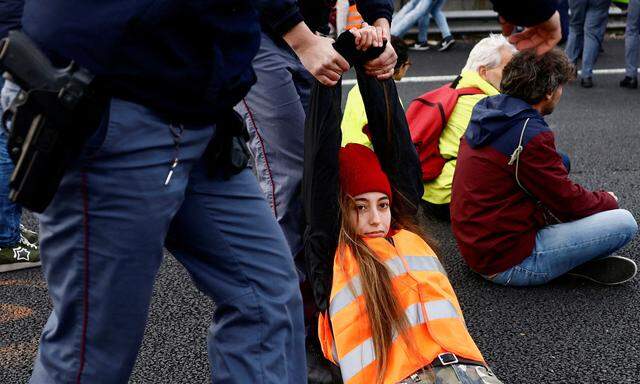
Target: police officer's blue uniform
[171,67]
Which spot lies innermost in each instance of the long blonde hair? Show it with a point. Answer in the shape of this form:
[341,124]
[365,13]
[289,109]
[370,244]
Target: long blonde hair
[384,312]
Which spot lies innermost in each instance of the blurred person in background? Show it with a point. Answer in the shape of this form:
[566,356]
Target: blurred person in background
[421,11]
[18,245]
[586,31]
[631,45]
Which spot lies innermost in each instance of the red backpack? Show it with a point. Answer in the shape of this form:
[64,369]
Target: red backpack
[427,116]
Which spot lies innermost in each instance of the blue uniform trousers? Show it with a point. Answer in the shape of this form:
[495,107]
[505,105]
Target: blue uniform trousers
[102,243]
[275,111]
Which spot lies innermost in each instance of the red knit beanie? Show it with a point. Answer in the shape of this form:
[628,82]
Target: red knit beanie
[360,171]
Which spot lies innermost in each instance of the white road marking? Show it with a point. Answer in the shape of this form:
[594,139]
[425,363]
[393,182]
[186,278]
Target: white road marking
[415,79]
[440,79]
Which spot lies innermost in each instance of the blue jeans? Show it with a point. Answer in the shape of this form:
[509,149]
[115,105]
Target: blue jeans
[10,212]
[586,31]
[566,161]
[632,38]
[409,15]
[275,111]
[561,247]
[435,10]
[102,243]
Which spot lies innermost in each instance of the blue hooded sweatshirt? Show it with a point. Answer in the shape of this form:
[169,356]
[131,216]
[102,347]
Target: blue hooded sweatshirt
[494,219]
[498,121]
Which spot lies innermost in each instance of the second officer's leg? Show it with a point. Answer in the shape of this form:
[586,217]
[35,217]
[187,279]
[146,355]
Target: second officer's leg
[274,111]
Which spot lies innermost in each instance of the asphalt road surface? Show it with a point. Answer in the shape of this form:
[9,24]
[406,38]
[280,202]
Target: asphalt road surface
[569,331]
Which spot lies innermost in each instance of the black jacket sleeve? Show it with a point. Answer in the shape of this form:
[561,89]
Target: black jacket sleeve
[525,12]
[320,182]
[372,10]
[10,15]
[279,15]
[282,15]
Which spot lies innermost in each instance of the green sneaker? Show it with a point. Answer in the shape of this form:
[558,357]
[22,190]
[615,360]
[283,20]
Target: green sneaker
[29,234]
[23,255]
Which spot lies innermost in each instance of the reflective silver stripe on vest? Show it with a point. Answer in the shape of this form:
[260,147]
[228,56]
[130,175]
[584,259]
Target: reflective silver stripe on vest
[345,296]
[414,315]
[363,355]
[356,360]
[425,263]
[441,309]
[416,263]
[396,266]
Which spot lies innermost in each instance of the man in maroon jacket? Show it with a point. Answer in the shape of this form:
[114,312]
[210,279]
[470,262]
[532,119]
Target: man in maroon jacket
[517,217]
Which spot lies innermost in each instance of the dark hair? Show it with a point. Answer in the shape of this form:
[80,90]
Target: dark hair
[402,50]
[531,77]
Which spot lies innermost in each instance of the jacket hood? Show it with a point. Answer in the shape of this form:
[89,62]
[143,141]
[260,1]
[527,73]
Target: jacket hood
[495,115]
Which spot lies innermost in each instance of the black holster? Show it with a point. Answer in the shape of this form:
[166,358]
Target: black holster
[227,152]
[50,119]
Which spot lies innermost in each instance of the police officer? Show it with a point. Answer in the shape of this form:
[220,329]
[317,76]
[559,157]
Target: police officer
[170,68]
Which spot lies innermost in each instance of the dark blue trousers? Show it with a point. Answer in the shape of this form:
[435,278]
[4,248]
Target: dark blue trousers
[102,240]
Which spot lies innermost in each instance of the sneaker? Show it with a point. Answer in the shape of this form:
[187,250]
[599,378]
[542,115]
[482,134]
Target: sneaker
[29,234]
[609,270]
[446,43]
[23,255]
[586,82]
[420,46]
[629,82]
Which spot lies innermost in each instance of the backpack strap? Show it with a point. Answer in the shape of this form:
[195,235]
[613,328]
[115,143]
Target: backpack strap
[455,82]
[469,91]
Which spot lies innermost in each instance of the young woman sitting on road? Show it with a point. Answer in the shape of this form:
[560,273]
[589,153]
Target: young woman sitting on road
[393,315]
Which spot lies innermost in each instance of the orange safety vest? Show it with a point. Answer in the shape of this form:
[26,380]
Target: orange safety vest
[354,19]
[422,289]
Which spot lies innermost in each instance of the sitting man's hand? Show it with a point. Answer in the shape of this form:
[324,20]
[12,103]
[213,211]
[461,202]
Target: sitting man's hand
[383,66]
[542,37]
